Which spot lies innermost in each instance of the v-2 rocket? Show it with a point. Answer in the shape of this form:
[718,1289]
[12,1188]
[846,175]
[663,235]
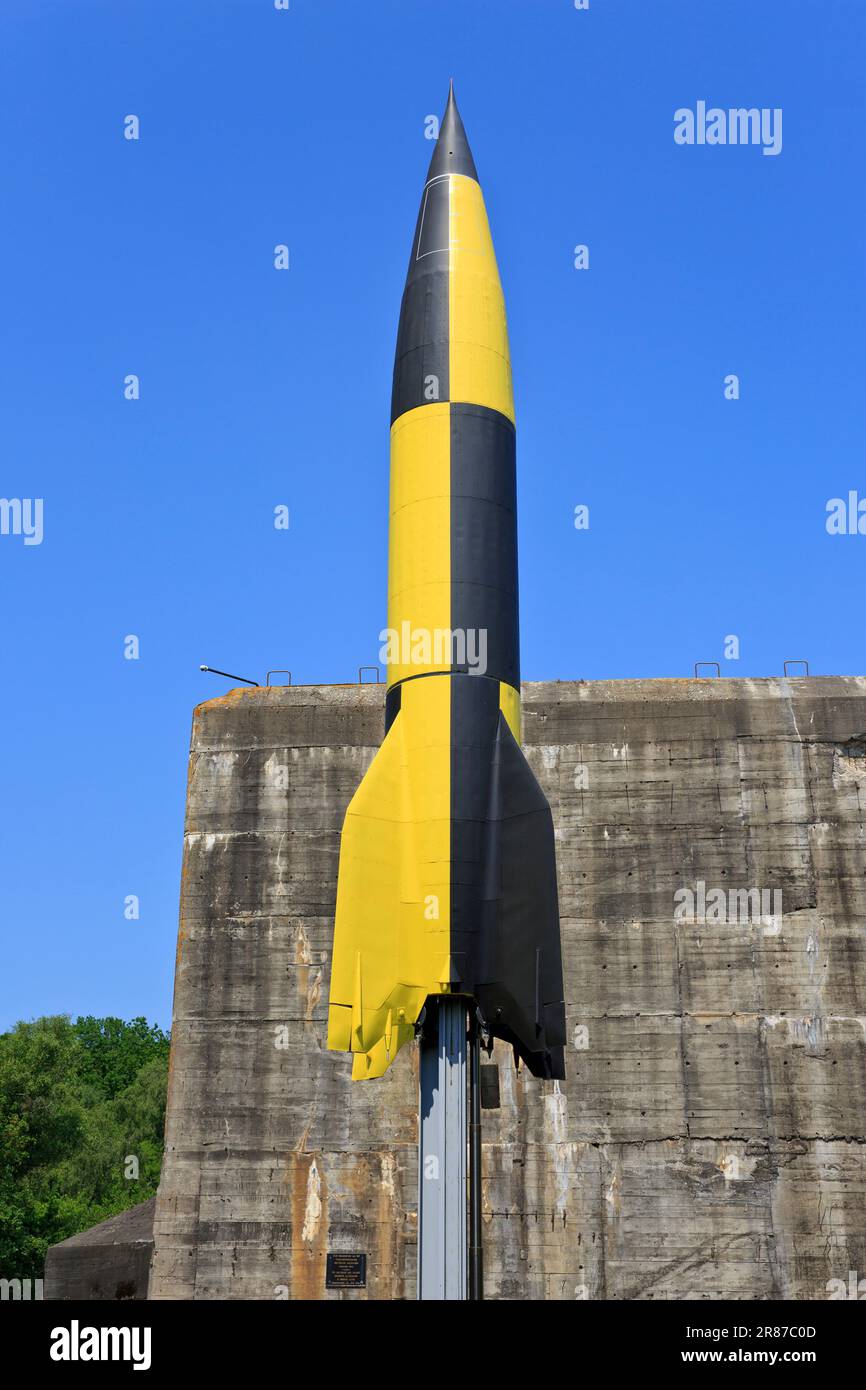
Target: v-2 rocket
[447,874]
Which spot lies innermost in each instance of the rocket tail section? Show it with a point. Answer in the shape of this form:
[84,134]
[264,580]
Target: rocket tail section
[447,882]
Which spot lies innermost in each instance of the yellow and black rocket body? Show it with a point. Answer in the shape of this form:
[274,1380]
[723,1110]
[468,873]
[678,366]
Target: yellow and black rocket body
[447,878]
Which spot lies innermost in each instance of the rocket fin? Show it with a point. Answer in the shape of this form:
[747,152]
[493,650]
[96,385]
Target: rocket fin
[391,934]
[520,987]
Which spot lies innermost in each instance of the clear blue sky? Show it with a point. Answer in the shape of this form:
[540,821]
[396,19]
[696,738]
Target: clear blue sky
[260,388]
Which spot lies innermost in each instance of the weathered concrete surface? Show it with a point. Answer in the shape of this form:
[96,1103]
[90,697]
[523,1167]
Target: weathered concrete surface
[710,1140]
[110,1261]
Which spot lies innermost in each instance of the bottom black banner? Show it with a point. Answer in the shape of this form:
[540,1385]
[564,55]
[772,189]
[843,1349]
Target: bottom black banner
[236,1337]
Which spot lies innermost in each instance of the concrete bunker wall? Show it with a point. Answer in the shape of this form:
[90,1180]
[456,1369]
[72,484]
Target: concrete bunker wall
[710,1139]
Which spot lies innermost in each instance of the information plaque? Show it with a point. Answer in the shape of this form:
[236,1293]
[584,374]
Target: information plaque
[345,1270]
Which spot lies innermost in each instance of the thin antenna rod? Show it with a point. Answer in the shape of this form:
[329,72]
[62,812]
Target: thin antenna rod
[228,675]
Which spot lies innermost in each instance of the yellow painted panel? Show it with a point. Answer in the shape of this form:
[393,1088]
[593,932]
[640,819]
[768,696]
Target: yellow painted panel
[392,929]
[509,703]
[479,359]
[419,541]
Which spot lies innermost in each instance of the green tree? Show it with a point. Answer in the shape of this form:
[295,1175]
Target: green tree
[82,1106]
[114,1052]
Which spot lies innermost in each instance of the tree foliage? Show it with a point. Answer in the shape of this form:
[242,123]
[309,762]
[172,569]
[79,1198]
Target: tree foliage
[82,1110]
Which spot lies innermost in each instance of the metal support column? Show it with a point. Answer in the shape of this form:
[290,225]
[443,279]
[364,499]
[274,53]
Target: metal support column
[476,1258]
[442,1152]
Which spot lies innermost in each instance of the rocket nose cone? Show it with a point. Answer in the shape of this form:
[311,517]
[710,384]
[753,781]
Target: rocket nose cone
[452,154]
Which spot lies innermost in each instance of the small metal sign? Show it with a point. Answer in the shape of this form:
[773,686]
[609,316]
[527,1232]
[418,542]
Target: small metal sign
[489,1086]
[346,1270]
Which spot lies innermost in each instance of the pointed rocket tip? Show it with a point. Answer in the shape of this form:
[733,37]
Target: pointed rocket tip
[452,154]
